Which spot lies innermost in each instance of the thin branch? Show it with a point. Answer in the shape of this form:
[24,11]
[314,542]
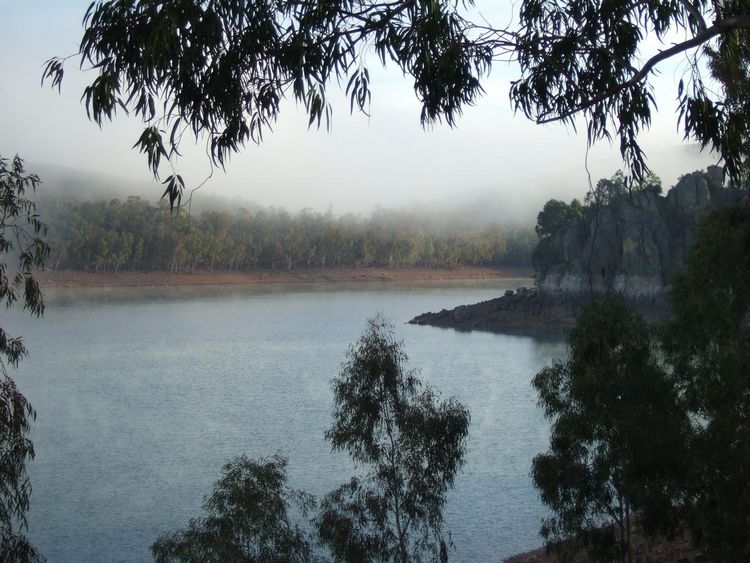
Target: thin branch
[729,24]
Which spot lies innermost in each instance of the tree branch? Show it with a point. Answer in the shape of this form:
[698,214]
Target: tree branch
[693,11]
[718,28]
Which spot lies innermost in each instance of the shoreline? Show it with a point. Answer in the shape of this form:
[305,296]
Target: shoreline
[659,550]
[75,279]
[534,310]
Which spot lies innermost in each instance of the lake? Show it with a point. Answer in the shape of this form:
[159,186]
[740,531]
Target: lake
[142,394]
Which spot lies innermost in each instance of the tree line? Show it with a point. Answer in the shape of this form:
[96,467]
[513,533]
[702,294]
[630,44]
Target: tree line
[136,235]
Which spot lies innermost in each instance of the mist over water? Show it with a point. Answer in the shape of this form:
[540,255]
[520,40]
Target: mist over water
[143,394]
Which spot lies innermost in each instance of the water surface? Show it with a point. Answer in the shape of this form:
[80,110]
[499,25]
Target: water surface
[142,394]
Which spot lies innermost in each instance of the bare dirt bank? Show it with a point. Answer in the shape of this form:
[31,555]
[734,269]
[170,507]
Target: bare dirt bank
[50,279]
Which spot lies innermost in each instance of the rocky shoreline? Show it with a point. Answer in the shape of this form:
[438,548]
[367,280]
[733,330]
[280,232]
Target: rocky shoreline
[533,309]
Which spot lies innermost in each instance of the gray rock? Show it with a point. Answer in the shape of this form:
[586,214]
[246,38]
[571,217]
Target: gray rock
[633,245]
[690,196]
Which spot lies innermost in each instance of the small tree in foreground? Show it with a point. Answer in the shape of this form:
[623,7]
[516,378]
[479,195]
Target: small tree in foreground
[247,520]
[413,444]
[616,446]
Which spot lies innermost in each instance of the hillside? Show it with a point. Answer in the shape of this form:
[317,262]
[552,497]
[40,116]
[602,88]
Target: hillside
[627,241]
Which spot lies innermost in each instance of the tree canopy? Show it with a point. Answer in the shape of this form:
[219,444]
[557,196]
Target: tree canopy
[247,520]
[708,344]
[555,216]
[412,445]
[617,442]
[219,69]
[582,57]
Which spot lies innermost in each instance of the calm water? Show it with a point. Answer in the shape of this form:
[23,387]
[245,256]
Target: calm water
[143,394]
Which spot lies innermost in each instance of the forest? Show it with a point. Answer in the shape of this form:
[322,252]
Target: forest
[136,235]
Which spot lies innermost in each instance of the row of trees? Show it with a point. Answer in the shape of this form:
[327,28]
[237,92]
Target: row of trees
[136,235]
[650,424]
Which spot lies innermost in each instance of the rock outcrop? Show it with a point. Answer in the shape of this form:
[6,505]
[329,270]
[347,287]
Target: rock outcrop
[633,245]
[531,309]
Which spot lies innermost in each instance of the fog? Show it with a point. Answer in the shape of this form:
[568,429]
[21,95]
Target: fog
[511,205]
[494,161]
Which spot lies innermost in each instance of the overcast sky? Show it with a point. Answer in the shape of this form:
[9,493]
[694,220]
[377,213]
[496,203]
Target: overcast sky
[386,160]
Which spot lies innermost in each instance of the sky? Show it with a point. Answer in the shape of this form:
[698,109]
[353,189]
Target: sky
[386,159]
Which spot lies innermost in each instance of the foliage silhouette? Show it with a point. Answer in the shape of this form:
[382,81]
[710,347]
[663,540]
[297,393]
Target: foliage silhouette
[617,442]
[219,70]
[387,420]
[247,520]
[23,250]
[708,344]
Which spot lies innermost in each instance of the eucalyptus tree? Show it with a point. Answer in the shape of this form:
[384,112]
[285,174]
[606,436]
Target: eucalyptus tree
[219,69]
[708,344]
[247,520]
[23,250]
[412,444]
[554,217]
[582,58]
[552,222]
[617,452]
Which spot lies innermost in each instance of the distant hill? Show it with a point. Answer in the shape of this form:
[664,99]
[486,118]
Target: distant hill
[77,186]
